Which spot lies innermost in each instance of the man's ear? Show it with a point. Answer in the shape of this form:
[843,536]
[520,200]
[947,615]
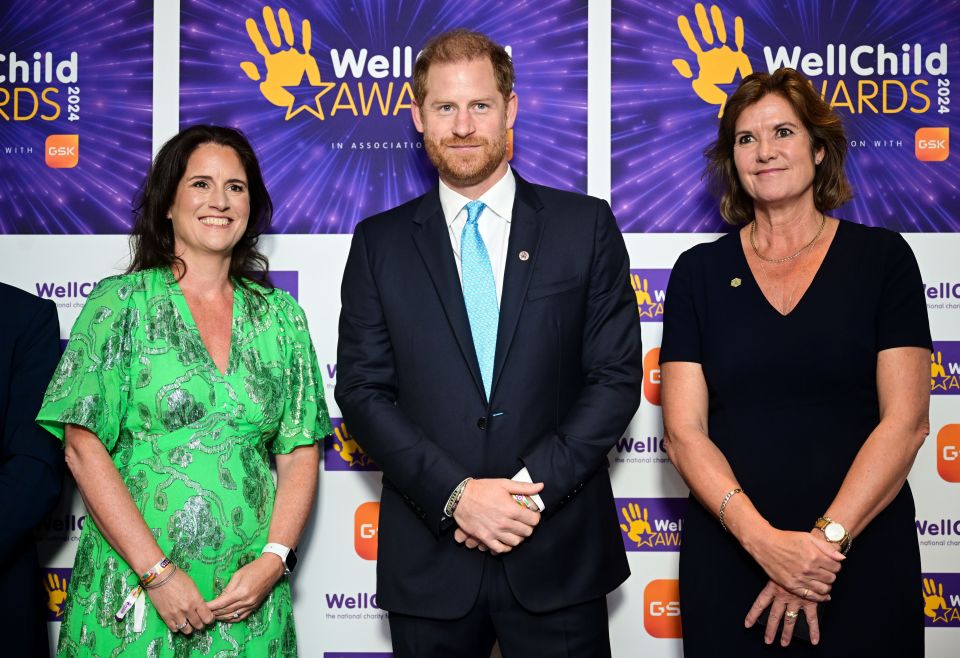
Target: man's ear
[512,106]
[417,116]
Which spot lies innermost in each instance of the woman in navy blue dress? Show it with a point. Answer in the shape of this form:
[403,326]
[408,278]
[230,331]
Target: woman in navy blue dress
[795,365]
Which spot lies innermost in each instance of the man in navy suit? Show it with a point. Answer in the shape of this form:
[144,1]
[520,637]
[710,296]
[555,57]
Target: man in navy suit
[489,358]
[31,465]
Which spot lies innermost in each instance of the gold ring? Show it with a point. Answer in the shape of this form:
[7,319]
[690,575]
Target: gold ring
[791,614]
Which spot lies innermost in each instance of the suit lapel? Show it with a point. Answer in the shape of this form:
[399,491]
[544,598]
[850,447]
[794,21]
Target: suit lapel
[432,239]
[525,231]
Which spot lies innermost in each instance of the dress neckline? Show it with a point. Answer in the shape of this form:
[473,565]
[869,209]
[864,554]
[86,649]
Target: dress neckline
[813,282]
[180,301]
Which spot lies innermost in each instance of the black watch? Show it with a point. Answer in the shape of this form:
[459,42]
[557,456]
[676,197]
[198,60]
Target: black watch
[286,554]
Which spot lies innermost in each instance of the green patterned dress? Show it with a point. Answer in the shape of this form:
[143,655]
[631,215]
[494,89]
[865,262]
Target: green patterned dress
[192,445]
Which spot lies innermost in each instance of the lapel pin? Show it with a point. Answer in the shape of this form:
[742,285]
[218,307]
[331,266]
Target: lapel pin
[735,282]
[524,256]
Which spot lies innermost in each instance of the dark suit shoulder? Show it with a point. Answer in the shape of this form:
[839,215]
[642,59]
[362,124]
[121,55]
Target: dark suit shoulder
[17,302]
[559,203]
[396,218]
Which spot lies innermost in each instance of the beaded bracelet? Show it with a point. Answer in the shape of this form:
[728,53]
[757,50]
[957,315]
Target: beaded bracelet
[454,498]
[723,505]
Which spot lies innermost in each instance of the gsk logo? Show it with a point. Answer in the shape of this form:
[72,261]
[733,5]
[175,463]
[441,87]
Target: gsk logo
[55,582]
[948,453]
[718,64]
[341,452]
[932,144]
[651,524]
[661,608]
[366,523]
[62,151]
[941,600]
[651,376]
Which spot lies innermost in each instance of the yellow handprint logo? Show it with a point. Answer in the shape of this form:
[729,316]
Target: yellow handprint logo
[349,450]
[645,303]
[720,64]
[639,529]
[285,68]
[56,593]
[937,372]
[933,600]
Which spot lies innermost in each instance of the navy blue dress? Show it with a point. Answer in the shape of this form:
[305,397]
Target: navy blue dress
[792,400]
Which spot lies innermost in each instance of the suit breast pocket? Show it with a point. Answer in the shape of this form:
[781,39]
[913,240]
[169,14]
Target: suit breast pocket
[554,288]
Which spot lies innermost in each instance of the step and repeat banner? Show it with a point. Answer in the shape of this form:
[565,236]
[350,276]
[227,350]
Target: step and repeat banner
[323,90]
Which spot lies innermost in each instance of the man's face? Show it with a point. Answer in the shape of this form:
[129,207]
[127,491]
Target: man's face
[464,120]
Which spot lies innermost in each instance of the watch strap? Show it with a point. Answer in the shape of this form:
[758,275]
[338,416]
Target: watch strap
[280,551]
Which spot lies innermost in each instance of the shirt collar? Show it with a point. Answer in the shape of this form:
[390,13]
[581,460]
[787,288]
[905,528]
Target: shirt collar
[498,198]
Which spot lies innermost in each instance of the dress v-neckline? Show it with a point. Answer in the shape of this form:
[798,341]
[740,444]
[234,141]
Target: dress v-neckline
[187,315]
[813,282]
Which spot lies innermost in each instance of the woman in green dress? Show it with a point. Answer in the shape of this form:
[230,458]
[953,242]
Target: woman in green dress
[181,377]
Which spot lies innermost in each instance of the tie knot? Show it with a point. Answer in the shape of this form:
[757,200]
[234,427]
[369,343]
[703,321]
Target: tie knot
[474,208]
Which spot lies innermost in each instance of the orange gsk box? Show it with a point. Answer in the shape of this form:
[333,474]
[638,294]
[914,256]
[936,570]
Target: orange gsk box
[366,522]
[932,144]
[661,608]
[62,151]
[948,452]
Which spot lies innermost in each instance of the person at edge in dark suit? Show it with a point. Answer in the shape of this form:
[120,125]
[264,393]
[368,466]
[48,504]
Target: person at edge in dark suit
[489,357]
[31,465]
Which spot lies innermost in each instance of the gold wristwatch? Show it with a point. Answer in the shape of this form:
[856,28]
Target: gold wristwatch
[835,533]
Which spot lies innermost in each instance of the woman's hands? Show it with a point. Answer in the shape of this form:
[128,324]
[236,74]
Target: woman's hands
[180,604]
[802,563]
[786,606]
[247,589]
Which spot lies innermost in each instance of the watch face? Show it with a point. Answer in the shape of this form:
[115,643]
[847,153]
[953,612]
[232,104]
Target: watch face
[834,532]
[291,560]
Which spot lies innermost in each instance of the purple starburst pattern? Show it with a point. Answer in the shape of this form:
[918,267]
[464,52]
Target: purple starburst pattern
[660,127]
[326,174]
[109,106]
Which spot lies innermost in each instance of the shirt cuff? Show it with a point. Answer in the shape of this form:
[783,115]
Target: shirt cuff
[524,476]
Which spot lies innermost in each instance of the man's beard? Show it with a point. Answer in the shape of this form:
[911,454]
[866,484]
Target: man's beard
[466,172]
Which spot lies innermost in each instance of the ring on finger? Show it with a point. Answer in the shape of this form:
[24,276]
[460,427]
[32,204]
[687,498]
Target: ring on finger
[806,591]
[180,627]
[236,615]
[791,614]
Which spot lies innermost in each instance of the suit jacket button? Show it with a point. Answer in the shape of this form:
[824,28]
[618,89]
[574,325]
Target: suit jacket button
[482,423]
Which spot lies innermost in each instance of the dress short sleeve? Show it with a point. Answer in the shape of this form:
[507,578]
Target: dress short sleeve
[305,418]
[681,320]
[92,381]
[902,314]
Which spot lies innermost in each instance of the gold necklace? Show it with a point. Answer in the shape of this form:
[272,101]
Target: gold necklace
[756,250]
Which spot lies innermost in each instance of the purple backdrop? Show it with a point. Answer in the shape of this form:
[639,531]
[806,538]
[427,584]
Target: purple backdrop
[109,101]
[326,167]
[660,126]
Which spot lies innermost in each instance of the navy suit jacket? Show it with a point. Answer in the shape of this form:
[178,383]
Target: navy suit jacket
[31,464]
[567,380]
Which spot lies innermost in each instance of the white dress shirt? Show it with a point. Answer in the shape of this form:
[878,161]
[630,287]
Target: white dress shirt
[494,226]
[493,223]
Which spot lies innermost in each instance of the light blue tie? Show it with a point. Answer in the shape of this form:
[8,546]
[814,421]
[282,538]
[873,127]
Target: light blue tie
[479,293]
